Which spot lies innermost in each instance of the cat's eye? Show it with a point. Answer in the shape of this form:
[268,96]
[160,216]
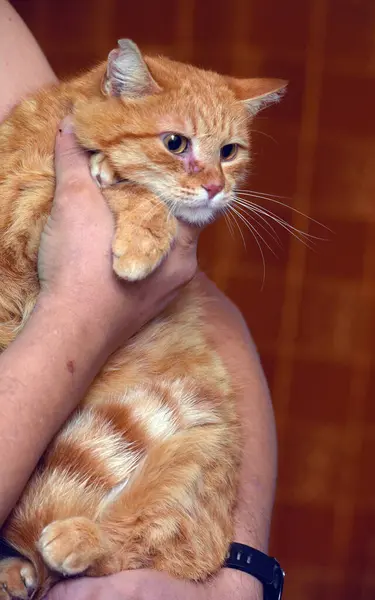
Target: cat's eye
[228,152]
[175,143]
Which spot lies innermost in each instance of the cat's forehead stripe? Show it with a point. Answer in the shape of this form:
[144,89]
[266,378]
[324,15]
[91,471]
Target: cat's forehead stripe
[214,121]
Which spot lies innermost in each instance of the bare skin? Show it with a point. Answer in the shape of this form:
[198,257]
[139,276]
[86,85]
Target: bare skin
[66,314]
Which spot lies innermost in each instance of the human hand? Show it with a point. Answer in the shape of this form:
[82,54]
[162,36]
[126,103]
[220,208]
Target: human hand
[154,585]
[75,258]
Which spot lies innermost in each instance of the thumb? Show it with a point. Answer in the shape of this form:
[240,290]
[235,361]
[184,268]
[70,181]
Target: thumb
[71,162]
[79,589]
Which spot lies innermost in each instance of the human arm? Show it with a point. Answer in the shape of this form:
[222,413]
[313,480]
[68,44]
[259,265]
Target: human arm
[19,75]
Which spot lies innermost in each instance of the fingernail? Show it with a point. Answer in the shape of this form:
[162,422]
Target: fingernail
[67,126]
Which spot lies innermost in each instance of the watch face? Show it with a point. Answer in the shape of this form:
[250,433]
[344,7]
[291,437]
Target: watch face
[280,578]
[277,583]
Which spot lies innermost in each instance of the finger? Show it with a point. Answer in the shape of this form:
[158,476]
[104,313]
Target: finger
[71,162]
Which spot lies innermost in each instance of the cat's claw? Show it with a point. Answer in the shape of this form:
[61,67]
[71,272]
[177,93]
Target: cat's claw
[18,579]
[70,546]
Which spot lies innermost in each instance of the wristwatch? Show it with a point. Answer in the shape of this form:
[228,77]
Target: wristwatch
[259,565]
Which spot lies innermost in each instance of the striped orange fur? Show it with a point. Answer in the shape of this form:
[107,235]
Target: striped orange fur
[144,473]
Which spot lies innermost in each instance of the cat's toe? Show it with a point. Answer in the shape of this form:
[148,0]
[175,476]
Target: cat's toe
[133,269]
[70,546]
[18,579]
[101,170]
[135,259]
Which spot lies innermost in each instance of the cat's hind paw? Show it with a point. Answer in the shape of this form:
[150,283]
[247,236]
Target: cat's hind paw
[70,546]
[18,579]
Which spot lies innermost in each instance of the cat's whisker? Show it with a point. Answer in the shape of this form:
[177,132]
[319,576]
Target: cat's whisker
[256,208]
[171,209]
[253,228]
[263,196]
[254,218]
[255,235]
[296,234]
[267,135]
[291,230]
[268,213]
[169,204]
[266,227]
[233,216]
[228,223]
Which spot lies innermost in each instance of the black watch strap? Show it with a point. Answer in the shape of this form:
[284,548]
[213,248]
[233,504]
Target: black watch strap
[259,565]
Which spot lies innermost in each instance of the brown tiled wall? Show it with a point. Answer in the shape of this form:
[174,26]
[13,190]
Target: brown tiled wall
[313,320]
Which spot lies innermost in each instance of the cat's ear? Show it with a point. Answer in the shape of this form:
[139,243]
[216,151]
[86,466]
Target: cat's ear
[127,73]
[258,93]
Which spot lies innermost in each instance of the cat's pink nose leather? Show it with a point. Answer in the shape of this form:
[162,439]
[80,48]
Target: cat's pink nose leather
[213,189]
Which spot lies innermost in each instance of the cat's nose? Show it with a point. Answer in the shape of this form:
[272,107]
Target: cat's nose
[213,188]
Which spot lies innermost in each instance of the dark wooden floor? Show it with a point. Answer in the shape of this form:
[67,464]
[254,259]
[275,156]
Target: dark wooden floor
[313,319]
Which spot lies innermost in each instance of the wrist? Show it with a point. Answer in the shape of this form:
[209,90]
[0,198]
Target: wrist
[77,323]
[230,583]
[69,336]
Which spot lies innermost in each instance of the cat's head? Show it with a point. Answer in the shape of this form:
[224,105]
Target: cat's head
[178,130]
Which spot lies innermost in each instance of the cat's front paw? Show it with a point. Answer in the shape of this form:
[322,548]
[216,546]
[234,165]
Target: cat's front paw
[101,170]
[131,265]
[71,546]
[137,252]
[17,579]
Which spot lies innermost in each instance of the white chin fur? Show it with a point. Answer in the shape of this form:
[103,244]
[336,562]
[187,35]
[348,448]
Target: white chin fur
[194,216]
[200,215]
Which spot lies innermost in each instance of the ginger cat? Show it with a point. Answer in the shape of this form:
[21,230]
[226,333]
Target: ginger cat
[144,473]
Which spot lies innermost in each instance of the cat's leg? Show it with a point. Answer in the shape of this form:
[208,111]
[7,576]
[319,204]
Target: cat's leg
[176,516]
[145,228]
[17,579]
[51,533]
[55,521]
[90,511]
[144,236]
[172,513]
